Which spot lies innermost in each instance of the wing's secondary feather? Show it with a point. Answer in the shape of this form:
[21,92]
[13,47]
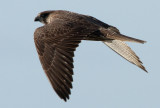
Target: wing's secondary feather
[55,44]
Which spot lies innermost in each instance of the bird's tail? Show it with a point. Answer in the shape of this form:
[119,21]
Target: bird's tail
[114,34]
[125,38]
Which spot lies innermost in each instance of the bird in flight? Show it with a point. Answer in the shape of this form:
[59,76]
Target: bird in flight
[61,34]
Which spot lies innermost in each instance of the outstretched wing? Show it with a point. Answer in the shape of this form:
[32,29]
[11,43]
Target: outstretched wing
[125,51]
[55,44]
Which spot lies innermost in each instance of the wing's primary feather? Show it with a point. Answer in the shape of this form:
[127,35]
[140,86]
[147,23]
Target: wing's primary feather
[125,51]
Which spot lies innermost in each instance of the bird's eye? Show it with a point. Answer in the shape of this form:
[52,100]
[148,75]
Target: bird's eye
[44,15]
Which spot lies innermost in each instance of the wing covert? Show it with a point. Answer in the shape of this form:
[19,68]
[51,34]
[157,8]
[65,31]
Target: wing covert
[55,44]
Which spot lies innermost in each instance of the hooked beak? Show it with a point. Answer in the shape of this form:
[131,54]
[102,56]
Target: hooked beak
[37,18]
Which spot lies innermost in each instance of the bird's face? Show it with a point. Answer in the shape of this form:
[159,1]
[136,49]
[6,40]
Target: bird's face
[43,17]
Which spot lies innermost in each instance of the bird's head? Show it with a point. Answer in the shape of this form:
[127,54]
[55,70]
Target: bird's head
[44,17]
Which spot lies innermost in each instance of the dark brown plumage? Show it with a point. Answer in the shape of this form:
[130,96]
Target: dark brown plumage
[57,40]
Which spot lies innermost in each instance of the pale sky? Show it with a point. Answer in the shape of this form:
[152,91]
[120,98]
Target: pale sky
[102,79]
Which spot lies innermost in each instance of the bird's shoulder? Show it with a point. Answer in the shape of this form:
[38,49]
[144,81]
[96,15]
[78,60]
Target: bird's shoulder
[39,32]
[53,29]
[63,27]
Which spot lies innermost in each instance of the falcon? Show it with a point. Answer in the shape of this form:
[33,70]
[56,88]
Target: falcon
[61,34]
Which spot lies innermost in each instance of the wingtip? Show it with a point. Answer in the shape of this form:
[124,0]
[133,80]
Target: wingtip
[146,71]
[143,68]
[144,42]
[65,98]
